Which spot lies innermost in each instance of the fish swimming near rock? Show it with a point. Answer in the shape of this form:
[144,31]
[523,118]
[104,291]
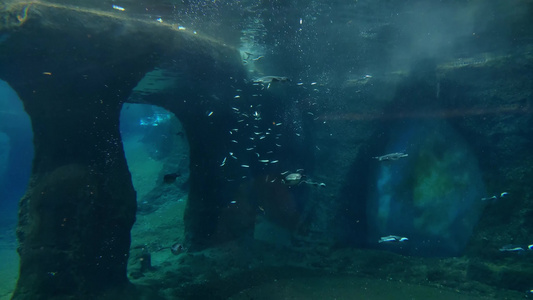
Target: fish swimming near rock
[177,248]
[170,178]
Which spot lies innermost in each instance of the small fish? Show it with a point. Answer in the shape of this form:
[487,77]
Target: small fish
[264,160]
[503,194]
[274,161]
[262,137]
[210,114]
[233,202]
[392,238]
[234,141]
[223,162]
[177,248]
[391,156]
[170,178]
[249,149]
[235,109]
[245,166]
[313,83]
[489,198]
[270,79]
[236,96]
[118,7]
[511,248]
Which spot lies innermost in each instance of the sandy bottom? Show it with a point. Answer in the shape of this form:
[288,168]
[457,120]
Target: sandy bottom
[9,260]
[345,287]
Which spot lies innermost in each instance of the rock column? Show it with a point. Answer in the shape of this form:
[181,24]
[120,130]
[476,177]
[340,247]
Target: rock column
[75,218]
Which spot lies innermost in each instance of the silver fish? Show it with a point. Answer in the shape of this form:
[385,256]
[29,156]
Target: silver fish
[391,156]
[392,238]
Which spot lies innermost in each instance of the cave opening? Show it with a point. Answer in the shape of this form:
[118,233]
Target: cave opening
[16,155]
[157,154]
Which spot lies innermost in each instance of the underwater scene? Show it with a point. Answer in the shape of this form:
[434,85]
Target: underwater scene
[266,149]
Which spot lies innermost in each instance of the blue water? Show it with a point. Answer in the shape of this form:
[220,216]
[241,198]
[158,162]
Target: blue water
[16,152]
[361,74]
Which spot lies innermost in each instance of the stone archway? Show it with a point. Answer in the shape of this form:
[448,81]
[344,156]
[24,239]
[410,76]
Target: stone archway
[73,70]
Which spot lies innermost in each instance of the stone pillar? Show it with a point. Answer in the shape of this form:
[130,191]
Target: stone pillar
[75,218]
